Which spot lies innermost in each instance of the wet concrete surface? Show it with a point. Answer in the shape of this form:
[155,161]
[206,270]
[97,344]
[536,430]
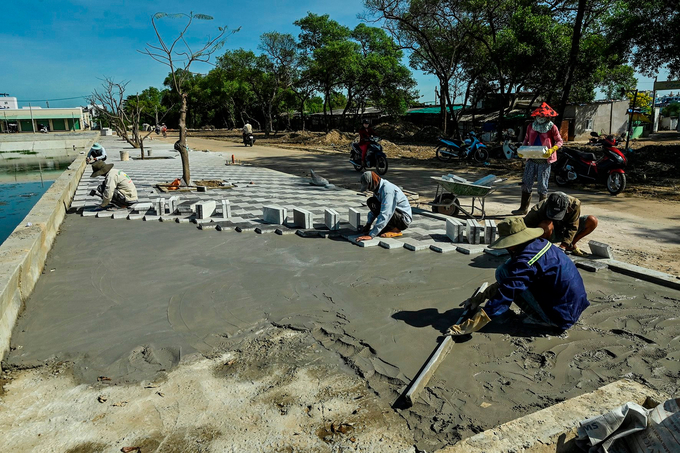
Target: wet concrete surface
[129,300]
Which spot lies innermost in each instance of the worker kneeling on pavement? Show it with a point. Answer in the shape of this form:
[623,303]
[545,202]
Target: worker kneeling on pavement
[560,218]
[389,208]
[117,188]
[539,278]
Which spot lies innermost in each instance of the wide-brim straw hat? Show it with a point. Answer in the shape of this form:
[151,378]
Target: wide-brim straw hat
[513,231]
[100,168]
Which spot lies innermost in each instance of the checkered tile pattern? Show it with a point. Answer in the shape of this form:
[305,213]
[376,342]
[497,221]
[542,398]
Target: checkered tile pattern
[254,188]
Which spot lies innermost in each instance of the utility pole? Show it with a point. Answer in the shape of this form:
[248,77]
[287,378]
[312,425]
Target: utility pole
[630,120]
[32,120]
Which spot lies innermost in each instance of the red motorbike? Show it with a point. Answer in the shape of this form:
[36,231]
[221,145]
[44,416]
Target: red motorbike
[576,165]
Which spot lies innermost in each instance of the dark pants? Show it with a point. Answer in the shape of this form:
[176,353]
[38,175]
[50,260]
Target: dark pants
[396,221]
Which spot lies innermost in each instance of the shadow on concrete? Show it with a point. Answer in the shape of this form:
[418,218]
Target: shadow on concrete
[508,323]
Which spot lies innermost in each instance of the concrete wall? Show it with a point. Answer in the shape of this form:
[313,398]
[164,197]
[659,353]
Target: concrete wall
[607,118]
[40,142]
[23,254]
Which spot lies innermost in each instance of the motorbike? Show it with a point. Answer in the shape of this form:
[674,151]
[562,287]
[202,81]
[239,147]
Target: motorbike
[510,146]
[248,139]
[471,147]
[375,157]
[576,165]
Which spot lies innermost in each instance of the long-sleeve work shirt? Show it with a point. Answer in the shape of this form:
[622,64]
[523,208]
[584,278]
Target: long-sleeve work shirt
[552,279]
[97,154]
[116,179]
[391,198]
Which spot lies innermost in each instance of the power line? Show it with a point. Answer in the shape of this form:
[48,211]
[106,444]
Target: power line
[62,99]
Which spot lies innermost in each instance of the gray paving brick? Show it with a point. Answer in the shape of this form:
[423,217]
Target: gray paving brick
[302,219]
[601,249]
[391,243]
[470,249]
[416,246]
[443,247]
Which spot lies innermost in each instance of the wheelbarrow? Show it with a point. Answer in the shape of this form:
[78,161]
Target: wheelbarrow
[450,187]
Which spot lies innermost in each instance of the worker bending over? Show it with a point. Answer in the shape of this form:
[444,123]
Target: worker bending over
[97,152]
[539,278]
[389,208]
[117,188]
[561,220]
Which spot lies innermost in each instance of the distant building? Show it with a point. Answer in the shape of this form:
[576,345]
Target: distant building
[664,101]
[603,117]
[8,102]
[30,119]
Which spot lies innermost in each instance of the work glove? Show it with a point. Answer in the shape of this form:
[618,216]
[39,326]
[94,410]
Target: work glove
[475,301]
[550,151]
[473,324]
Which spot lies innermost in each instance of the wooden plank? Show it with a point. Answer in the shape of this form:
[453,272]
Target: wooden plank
[425,373]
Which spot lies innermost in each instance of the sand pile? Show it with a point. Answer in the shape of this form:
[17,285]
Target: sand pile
[298,137]
[337,138]
[429,134]
[396,131]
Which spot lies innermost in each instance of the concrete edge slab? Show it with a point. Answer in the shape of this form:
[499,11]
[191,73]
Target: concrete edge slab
[554,428]
[649,275]
[23,253]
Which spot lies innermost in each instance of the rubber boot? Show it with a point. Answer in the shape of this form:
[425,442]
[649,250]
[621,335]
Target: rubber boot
[524,207]
[542,196]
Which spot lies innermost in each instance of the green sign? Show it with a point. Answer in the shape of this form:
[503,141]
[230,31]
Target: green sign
[668,85]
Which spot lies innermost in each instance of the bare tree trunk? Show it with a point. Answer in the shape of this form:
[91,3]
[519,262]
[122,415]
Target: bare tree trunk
[184,154]
[302,113]
[443,95]
[325,103]
[573,61]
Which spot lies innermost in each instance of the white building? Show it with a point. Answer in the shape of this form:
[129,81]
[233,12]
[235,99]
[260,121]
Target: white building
[8,102]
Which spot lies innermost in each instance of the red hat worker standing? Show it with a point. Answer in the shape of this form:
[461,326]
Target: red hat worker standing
[542,132]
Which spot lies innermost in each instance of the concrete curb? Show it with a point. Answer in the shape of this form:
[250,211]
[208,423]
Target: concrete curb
[649,275]
[23,254]
[554,429]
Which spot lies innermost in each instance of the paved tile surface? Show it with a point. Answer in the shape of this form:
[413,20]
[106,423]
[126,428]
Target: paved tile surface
[252,188]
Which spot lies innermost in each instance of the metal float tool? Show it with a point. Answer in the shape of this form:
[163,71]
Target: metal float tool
[426,372]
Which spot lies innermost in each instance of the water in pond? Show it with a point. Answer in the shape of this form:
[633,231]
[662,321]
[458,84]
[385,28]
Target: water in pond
[16,200]
[22,183]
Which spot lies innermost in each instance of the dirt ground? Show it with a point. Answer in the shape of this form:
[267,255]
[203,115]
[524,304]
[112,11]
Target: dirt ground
[641,224]
[653,168]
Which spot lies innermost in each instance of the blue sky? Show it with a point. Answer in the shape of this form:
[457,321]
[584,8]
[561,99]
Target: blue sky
[56,49]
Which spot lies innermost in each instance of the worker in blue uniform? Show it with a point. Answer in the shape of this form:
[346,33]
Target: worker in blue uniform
[539,278]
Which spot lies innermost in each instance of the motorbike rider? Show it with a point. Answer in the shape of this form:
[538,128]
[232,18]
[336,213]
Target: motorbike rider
[542,132]
[247,130]
[365,134]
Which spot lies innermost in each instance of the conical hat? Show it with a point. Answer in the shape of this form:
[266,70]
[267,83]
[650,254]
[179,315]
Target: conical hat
[544,110]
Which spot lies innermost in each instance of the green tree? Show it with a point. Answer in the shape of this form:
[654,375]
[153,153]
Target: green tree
[379,78]
[278,70]
[671,110]
[648,32]
[431,30]
[330,55]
